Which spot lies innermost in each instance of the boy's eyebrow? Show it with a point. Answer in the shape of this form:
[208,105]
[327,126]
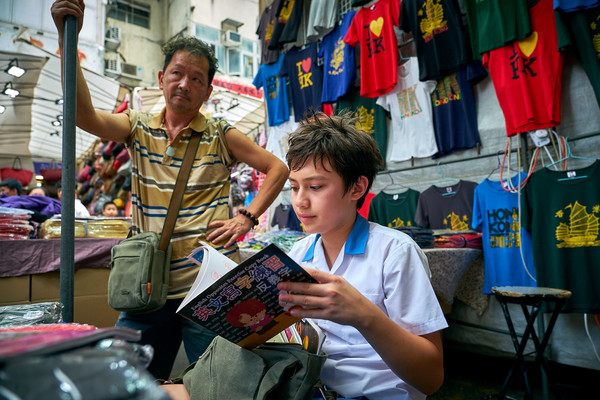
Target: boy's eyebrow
[310,178]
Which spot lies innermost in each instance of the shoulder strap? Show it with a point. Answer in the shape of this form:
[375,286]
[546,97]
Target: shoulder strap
[177,196]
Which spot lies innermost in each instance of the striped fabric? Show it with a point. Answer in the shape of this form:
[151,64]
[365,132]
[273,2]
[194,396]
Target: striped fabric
[153,177]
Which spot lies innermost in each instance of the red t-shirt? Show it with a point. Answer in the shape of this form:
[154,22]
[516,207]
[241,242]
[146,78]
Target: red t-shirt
[373,28]
[527,75]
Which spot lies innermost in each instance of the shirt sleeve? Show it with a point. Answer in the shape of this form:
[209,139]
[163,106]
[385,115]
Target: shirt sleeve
[353,35]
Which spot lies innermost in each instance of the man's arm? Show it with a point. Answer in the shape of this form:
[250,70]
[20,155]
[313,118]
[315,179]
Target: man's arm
[245,150]
[97,122]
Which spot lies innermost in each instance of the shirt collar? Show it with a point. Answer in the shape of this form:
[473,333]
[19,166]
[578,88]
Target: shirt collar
[198,124]
[355,244]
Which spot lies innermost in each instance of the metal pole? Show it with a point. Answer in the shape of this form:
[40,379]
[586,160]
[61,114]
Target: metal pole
[67,227]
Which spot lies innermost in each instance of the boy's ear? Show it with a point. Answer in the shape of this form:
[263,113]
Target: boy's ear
[360,187]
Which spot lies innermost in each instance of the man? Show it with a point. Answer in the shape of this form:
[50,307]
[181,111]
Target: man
[11,187]
[157,144]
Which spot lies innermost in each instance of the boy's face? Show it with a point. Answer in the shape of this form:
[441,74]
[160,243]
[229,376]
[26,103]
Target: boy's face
[320,203]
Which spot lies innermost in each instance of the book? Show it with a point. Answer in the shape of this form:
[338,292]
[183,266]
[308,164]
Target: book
[306,333]
[241,302]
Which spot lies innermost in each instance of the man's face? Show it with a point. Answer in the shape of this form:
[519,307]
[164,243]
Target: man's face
[7,191]
[185,83]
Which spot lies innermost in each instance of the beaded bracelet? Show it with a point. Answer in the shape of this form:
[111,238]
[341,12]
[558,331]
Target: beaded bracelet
[248,215]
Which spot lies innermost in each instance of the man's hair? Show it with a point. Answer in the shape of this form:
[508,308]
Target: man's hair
[351,152]
[12,183]
[196,48]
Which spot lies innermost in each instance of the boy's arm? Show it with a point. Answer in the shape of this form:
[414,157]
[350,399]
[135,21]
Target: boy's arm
[100,123]
[418,360]
[245,150]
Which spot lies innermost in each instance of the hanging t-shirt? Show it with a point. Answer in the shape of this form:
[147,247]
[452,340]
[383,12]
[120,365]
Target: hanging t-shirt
[322,18]
[449,207]
[436,26]
[496,214]
[454,111]
[395,210]
[574,5]
[339,65]
[370,117]
[561,209]
[265,32]
[275,89]
[373,28]
[277,139]
[411,133]
[527,75]
[287,23]
[306,79]
[285,217]
[581,30]
[496,23]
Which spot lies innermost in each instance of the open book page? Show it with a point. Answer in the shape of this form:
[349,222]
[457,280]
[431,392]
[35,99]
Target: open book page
[212,270]
[243,304]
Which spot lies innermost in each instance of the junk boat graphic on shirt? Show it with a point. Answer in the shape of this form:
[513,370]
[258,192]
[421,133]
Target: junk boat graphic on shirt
[582,228]
[456,222]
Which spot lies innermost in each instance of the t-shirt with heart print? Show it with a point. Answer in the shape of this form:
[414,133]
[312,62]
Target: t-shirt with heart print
[373,28]
[305,77]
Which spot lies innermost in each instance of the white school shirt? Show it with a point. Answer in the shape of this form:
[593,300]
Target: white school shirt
[390,269]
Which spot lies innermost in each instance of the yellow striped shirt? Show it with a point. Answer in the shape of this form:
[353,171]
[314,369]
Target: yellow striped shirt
[206,196]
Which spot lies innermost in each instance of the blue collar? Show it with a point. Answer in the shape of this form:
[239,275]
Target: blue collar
[355,244]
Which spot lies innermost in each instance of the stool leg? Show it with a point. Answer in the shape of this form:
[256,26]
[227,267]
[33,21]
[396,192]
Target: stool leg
[519,348]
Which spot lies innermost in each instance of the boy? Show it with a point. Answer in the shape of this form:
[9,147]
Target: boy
[374,300]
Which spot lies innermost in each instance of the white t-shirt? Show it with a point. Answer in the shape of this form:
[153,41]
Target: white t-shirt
[390,269]
[412,131]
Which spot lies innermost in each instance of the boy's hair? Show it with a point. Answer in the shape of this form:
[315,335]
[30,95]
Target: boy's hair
[195,47]
[351,152]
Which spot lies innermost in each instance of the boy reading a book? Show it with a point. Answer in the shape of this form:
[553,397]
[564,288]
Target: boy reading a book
[374,300]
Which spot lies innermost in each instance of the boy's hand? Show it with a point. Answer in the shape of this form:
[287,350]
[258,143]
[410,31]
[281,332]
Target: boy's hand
[333,298]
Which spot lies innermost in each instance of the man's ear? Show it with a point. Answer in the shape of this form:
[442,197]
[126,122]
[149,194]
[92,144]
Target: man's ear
[360,187]
[160,76]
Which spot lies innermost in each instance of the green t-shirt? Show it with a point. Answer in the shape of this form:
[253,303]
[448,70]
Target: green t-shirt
[561,209]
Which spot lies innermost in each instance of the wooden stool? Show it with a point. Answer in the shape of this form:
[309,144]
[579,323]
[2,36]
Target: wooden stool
[534,297]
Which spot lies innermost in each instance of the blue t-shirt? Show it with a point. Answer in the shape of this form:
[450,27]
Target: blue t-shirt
[454,112]
[306,78]
[496,212]
[339,65]
[275,90]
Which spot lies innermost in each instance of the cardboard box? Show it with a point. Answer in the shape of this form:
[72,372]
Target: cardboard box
[90,300]
[15,290]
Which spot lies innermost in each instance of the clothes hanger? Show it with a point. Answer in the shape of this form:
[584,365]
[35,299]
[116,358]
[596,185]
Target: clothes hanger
[501,165]
[445,178]
[568,156]
[393,189]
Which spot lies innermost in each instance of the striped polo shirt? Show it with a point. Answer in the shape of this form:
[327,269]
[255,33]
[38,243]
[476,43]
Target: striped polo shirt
[206,196]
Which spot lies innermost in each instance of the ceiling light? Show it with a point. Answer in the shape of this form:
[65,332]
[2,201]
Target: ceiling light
[59,117]
[2,109]
[55,133]
[9,91]
[56,123]
[14,69]
[59,102]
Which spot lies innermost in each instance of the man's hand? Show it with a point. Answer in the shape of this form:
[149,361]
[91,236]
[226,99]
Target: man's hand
[230,229]
[61,8]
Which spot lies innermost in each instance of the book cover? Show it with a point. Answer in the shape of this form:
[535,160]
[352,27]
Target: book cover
[241,303]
